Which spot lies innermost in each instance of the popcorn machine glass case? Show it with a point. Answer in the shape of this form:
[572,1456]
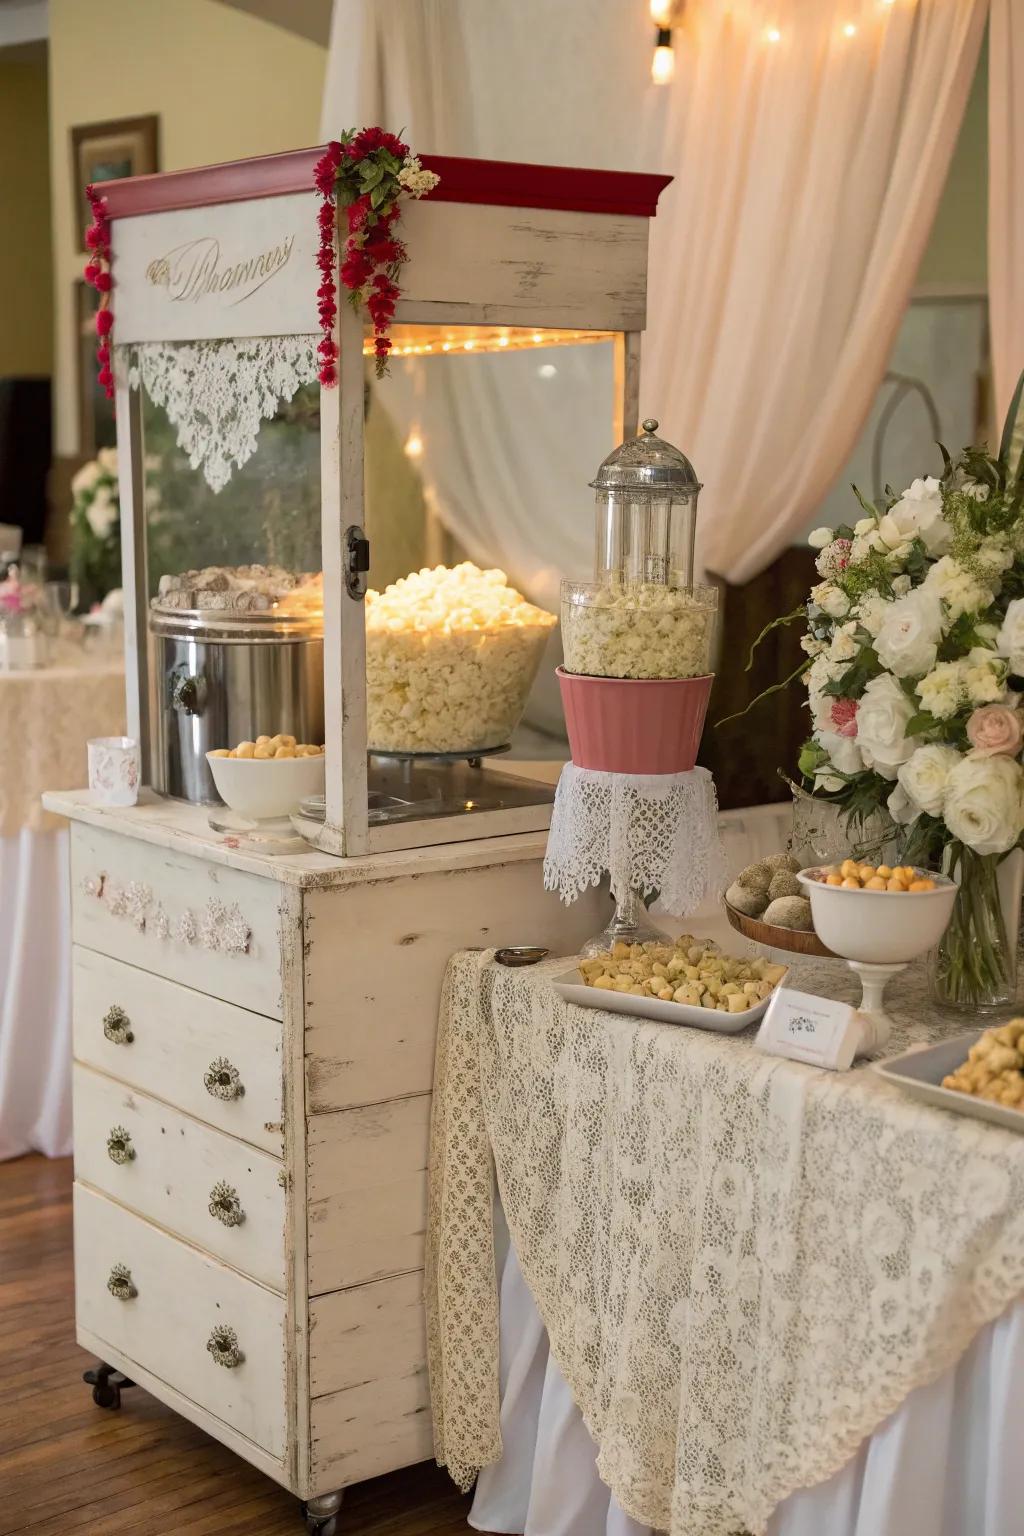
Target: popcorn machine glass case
[243,483]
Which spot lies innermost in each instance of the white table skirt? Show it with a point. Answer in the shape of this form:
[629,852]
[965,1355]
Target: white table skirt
[35,994]
[946,1464]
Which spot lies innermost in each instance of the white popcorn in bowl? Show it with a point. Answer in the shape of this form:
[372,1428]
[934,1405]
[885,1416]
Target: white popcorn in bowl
[647,630]
[451,655]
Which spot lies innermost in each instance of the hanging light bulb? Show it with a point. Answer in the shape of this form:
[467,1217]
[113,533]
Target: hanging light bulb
[661,12]
[663,64]
[414,445]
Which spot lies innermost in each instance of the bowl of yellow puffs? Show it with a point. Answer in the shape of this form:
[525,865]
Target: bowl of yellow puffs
[266,779]
[878,914]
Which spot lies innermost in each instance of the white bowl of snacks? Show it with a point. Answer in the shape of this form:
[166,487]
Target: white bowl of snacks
[265,779]
[878,914]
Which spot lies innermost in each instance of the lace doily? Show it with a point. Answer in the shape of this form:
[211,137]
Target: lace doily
[657,833]
[744,1264]
[218,393]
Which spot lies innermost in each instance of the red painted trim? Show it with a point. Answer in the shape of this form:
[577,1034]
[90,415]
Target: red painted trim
[496,182]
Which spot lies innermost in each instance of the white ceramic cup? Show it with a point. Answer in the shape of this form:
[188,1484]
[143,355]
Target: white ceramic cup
[114,770]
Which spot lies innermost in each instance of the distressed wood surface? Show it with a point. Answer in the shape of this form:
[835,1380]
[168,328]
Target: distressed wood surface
[372,1332]
[369,1429]
[177,883]
[182,1296]
[185,829]
[376,956]
[523,266]
[179,1033]
[176,1166]
[367,1193]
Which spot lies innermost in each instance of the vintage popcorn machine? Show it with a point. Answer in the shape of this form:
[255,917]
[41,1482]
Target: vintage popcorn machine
[242,480]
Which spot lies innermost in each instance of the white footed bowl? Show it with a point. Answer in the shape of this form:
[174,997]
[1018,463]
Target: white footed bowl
[270,788]
[879,927]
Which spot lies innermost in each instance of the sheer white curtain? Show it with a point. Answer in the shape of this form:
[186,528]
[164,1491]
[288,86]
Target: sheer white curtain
[809,140]
[1006,196]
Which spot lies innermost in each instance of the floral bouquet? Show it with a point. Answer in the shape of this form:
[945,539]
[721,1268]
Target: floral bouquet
[915,677]
[96,528]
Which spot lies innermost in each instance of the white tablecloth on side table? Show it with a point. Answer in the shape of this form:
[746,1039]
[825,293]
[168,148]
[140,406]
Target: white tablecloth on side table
[947,1463]
[48,715]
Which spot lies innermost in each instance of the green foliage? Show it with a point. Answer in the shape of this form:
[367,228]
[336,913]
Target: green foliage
[856,677]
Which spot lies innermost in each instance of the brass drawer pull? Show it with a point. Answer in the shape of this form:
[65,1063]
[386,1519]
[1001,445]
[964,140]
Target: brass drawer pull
[119,1145]
[225,1205]
[222,1081]
[120,1283]
[117,1026]
[223,1346]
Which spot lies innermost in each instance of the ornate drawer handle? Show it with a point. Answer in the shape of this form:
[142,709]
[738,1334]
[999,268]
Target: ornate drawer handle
[117,1026]
[120,1283]
[225,1205]
[119,1145]
[222,1081]
[223,1347]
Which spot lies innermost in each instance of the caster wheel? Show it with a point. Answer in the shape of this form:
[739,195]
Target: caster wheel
[106,1396]
[321,1527]
[106,1385]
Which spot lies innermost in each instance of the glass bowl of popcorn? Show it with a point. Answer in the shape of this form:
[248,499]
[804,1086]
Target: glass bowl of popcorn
[451,655]
[637,629]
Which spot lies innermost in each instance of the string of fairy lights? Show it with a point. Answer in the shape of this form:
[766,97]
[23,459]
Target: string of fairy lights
[669,18]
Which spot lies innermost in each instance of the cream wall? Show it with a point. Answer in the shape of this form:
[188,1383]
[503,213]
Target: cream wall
[26,335]
[223,84]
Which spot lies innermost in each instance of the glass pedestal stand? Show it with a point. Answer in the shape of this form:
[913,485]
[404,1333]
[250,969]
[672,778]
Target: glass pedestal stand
[629,925]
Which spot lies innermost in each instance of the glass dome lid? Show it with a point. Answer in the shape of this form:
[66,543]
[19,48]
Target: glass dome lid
[647,465]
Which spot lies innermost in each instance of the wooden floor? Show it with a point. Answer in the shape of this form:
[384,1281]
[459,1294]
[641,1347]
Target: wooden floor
[68,1466]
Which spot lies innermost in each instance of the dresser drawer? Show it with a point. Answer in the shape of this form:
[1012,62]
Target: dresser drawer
[211,928]
[172,1169]
[220,1063]
[181,1298]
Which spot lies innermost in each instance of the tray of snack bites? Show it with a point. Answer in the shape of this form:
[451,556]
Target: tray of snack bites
[973,1074]
[689,981]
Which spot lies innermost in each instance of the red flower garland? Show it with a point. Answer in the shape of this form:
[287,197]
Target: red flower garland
[366,173]
[97,273]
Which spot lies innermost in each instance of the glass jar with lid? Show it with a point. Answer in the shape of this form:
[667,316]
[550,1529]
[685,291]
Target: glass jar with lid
[641,616]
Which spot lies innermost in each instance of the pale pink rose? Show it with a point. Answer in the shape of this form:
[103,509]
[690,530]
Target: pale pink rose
[995,730]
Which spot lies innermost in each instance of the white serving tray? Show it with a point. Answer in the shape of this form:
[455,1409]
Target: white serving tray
[920,1072]
[569,986]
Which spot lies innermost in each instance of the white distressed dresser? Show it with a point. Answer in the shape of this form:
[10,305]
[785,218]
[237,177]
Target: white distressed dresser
[254,1047]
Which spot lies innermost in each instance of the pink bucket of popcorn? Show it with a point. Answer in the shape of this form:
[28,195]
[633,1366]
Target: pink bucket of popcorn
[635,725]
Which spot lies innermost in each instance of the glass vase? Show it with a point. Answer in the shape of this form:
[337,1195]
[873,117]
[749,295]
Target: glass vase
[824,833]
[974,968]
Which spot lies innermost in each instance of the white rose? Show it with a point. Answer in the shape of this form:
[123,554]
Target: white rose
[871,611]
[957,588]
[925,776]
[901,808]
[883,714]
[831,600]
[918,515]
[863,526]
[942,692]
[86,478]
[859,549]
[843,646]
[101,514]
[108,460]
[820,538]
[844,756]
[1010,640]
[910,633]
[984,805]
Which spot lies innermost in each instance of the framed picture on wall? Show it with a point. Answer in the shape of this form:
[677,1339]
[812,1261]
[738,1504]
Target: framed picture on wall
[95,412]
[106,152]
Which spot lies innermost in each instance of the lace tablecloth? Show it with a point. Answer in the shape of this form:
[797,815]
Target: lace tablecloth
[47,716]
[744,1265]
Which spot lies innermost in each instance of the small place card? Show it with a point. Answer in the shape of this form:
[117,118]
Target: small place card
[817,1030]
